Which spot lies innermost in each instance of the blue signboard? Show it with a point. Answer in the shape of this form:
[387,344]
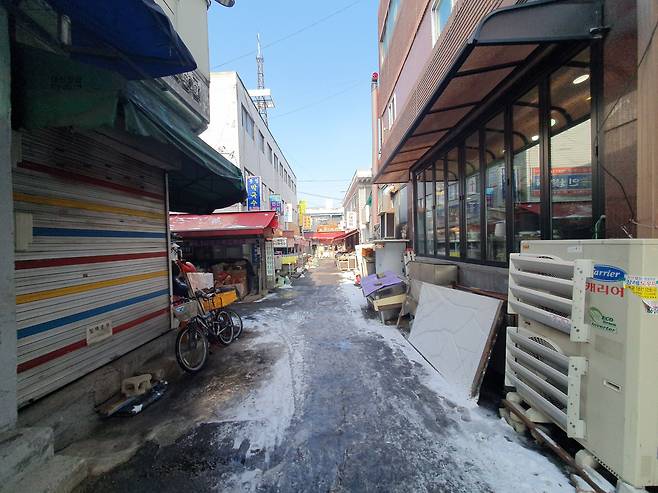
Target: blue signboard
[276,204]
[253,193]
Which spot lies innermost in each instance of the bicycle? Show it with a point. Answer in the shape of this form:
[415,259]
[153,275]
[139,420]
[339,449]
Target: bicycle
[201,323]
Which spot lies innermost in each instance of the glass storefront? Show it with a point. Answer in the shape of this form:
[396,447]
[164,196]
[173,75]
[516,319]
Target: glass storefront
[526,170]
[495,195]
[440,206]
[571,150]
[454,203]
[472,196]
[466,206]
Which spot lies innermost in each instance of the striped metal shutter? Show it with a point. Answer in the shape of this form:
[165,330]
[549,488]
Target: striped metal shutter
[92,281]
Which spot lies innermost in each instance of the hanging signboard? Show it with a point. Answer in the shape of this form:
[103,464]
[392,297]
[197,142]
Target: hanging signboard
[276,204]
[351,220]
[308,222]
[288,215]
[280,242]
[253,193]
[301,211]
[269,260]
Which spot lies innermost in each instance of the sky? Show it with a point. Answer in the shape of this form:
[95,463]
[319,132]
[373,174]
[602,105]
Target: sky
[318,68]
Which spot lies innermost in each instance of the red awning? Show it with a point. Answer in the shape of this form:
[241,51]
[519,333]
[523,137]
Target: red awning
[323,235]
[224,224]
[346,235]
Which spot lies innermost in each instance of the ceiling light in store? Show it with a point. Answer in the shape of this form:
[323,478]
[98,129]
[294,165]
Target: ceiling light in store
[588,98]
[553,122]
[534,138]
[581,78]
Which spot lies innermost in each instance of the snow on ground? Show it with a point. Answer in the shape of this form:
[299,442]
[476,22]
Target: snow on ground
[484,439]
[268,410]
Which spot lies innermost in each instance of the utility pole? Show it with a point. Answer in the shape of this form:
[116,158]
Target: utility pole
[261,96]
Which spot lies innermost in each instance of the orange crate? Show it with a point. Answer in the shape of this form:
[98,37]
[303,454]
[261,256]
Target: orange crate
[220,300]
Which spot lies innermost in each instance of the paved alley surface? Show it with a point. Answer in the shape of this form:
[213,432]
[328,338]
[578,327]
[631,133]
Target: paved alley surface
[319,396]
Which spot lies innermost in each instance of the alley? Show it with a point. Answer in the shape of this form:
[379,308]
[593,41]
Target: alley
[318,396]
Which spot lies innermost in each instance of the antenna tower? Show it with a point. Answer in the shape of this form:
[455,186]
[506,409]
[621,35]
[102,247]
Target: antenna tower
[261,96]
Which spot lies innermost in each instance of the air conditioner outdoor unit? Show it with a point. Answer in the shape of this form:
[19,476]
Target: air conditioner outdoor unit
[585,351]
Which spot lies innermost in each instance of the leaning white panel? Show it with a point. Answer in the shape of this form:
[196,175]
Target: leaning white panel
[453,330]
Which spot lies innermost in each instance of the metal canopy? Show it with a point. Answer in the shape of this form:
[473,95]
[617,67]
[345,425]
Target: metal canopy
[502,44]
[132,37]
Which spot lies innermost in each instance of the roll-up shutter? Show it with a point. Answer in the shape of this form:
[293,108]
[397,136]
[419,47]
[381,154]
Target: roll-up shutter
[91,258]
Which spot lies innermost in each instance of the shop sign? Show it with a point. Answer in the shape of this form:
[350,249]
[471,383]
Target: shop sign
[288,216]
[280,242]
[269,259]
[308,223]
[253,193]
[276,204]
[576,180]
[351,220]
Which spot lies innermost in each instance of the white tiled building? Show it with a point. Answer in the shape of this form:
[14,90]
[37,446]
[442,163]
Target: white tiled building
[238,132]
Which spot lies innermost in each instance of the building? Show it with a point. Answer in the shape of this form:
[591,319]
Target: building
[324,219]
[95,151]
[508,128]
[237,242]
[356,204]
[239,133]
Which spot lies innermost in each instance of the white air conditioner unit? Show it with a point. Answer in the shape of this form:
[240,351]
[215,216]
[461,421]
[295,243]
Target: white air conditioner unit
[585,351]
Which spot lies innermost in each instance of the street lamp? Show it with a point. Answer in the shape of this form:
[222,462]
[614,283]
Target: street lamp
[226,3]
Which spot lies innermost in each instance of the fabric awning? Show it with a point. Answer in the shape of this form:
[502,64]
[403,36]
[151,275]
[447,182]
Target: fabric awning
[206,180]
[203,180]
[327,236]
[503,42]
[223,224]
[132,37]
[346,235]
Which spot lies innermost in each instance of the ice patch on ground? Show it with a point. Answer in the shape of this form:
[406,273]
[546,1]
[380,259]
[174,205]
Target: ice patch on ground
[268,296]
[268,410]
[481,439]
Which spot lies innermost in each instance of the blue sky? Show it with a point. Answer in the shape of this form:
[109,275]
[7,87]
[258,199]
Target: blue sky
[320,80]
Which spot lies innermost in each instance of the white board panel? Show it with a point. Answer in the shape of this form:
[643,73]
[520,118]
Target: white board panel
[451,330]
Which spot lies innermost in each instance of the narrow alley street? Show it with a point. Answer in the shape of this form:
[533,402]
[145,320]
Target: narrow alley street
[319,396]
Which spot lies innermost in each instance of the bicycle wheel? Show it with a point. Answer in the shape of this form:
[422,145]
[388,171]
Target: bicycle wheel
[236,322]
[191,348]
[223,328]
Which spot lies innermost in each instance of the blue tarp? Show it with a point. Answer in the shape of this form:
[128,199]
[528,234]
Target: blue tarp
[132,37]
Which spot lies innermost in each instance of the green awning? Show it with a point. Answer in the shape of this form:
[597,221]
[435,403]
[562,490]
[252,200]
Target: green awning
[54,91]
[207,180]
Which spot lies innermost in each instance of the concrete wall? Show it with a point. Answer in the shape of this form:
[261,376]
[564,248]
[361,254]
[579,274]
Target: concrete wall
[226,134]
[190,19]
[70,411]
[477,276]
[7,293]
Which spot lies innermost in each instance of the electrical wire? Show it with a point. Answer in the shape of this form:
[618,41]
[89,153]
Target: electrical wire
[292,34]
[319,101]
[317,195]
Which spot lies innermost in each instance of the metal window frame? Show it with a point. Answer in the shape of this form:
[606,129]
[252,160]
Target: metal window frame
[504,104]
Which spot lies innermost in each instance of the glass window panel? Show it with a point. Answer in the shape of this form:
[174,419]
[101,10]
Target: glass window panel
[571,150]
[452,182]
[440,207]
[420,213]
[526,180]
[472,196]
[429,211]
[495,191]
